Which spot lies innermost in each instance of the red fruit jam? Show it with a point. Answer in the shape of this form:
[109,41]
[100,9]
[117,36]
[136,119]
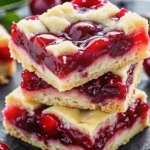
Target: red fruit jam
[88,4]
[101,89]
[108,86]
[31,82]
[94,40]
[4,147]
[48,127]
[5,54]
[120,14]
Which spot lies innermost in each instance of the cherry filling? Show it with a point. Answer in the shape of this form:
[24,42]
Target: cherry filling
[5,54]
[94,41]
[48,127]
[120,14]
[105,87]
[108,86]
[31,82]
[84,5]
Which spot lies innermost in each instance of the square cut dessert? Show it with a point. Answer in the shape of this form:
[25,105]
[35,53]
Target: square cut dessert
[78,41]
[7,64]
[62,128]
[110,93]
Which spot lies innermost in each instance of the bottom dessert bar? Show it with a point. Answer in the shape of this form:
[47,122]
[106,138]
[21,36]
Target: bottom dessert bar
[62,128]
[7,69]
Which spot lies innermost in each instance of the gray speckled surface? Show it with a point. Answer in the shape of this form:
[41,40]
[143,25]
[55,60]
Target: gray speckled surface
[139,142]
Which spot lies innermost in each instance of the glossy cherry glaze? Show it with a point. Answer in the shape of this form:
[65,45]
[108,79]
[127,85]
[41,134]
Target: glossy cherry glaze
[85,5]
[94,40]
[5,54]
[49,127]
[4,146]
[105,87]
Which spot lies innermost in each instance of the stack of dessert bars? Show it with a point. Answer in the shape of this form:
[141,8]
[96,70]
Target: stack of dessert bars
[7,64]
[82,61]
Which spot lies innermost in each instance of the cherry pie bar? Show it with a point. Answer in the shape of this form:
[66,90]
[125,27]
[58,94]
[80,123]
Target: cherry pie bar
[7,64]
[111,92]
[62,128]
[76,42]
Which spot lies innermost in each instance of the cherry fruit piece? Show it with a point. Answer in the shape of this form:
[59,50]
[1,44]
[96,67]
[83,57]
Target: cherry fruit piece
[88,3]
[48,124]
[147,66]
[13,113]
[4,147]
[120,14]
[41,6]
[81,31]
[44,39]
[30,81]
[5,54]
[97,44]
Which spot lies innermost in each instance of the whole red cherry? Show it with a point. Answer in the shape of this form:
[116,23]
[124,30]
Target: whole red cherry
[4,147]
[146,65]
[48,125]
[41,6]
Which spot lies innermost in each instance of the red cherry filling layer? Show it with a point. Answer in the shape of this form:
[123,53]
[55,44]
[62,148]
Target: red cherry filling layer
[5,54]
[94,40]
[48,127]
[105,87]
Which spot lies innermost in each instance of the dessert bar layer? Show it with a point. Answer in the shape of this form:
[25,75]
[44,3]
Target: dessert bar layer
[7,69]
[76,42]
[7,64]
[110,93]
[62,128]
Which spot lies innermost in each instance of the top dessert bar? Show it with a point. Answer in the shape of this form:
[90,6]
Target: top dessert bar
[78,41]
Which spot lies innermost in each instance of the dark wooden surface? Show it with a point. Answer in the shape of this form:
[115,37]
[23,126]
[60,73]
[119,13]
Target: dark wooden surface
[139,142]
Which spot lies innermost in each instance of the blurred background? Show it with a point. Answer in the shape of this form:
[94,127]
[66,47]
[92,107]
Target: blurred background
[14,10]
